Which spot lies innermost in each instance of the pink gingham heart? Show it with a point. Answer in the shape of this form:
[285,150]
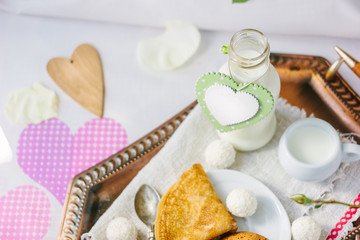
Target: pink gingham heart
[24,214]
[51,155]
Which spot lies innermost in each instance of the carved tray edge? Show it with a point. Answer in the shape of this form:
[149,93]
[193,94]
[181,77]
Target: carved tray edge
[82,182]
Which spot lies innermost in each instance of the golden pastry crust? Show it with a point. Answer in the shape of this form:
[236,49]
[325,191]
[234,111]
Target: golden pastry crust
[191,209]
[244,236]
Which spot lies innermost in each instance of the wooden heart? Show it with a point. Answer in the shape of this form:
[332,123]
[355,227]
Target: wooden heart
[81,77]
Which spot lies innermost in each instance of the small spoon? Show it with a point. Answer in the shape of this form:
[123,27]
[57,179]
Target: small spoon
[146,202]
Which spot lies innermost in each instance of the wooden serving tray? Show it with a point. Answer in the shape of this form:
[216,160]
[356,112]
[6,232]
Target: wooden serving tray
[91,192]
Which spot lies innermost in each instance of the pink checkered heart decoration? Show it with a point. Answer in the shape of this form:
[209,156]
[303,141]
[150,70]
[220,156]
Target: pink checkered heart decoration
[24,214]
[51,155]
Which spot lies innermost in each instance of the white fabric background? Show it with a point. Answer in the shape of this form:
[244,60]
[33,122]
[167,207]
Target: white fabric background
[309,17]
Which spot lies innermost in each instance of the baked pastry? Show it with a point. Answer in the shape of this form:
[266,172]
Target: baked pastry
[191,209]
[244,236]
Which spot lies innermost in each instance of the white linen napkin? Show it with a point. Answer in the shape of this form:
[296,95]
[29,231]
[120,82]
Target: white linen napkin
[187,146]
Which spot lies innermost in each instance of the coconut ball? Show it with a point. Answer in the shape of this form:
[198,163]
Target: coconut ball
[241,203]
[220,154]
[305,228]
[121,229]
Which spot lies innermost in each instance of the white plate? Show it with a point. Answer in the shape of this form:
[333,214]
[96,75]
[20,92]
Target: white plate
[270,218]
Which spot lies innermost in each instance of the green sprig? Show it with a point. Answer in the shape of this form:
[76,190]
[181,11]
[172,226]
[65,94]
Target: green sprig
[302,199]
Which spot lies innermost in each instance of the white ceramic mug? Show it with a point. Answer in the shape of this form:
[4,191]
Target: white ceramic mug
[311,150]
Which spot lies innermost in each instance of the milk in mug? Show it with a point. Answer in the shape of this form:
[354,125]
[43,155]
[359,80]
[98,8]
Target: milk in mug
[311,145]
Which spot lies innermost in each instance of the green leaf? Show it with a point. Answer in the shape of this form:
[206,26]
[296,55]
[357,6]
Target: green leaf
[239,1]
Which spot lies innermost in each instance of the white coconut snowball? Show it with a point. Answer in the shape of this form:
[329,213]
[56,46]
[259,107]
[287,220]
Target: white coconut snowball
[305,228]
[121,229]
[241,203]
[220,154]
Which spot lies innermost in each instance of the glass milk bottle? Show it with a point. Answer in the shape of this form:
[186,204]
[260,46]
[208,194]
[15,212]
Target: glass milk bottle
[249,62]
